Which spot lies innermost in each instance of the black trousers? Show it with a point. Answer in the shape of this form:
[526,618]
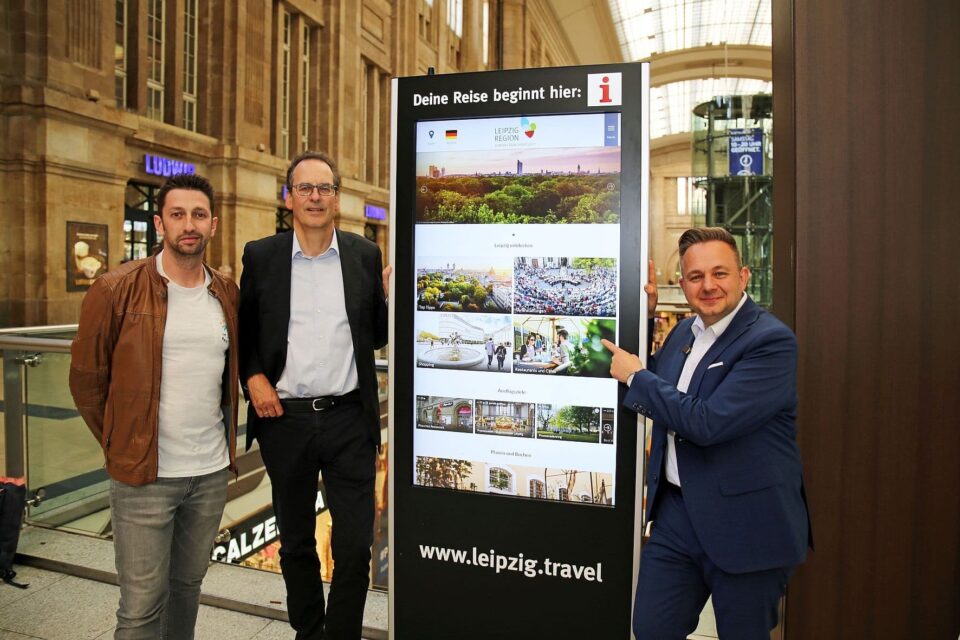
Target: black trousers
[295,448]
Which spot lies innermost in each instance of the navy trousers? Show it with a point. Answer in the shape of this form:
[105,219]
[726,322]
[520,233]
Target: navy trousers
[676,577]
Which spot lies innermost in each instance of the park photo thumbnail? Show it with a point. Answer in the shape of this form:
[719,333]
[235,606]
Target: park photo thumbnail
[539,483]
[570,423]
[505,418]
[562,345]
[519,186]
[565,286]
[445,414]
[464,342]
[472,285]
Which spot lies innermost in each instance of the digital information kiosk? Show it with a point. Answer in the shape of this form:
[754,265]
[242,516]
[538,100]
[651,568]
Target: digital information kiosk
[519,242]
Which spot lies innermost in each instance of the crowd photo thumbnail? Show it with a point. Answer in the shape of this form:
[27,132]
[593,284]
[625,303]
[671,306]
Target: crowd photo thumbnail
[566,286]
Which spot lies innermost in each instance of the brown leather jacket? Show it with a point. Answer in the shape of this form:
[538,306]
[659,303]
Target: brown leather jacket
[115,366]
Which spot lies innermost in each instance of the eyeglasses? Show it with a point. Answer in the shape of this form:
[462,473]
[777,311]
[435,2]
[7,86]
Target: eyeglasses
[305,189]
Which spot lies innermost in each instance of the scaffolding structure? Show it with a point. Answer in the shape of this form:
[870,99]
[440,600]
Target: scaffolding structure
[733,152]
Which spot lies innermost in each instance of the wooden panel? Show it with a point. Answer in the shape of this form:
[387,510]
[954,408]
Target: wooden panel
[876,298]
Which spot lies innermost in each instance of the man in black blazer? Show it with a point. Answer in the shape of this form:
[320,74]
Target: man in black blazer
[312,313]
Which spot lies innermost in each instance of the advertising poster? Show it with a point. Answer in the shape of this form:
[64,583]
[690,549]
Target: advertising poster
[746,152]
[520,209]
[86,255]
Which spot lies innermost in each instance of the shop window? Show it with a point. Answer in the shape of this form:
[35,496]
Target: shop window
[139,234]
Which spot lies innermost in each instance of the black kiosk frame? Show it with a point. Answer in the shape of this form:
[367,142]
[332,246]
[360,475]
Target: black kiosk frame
[513,514]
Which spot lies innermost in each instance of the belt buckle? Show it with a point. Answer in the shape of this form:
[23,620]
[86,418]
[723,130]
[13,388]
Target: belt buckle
[318,408]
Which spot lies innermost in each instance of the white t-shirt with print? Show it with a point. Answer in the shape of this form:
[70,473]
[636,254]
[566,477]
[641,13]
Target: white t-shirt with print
[192,439]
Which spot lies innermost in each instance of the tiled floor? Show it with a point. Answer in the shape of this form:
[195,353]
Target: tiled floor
[59,606]
[62,607]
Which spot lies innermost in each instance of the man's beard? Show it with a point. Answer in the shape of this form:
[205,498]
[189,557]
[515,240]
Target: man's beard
[188,251]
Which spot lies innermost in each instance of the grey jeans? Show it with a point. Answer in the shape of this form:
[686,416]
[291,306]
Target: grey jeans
[163,535]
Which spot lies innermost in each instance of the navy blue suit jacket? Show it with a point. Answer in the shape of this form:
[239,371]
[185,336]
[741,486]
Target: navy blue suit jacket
[264,315]
[736,443]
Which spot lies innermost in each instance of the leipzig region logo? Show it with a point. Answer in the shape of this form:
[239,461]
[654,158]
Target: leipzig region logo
[529,128]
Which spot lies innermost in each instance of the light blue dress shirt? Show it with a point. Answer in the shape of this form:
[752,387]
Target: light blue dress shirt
[320,358]
[703,339]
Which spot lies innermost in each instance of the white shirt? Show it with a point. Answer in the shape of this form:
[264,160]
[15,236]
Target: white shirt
[320,358]
[704,337]
[192,440]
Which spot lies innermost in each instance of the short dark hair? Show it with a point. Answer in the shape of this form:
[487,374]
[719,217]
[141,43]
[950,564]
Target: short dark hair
[563,334]
[313,155]
[190,181]
[691,237]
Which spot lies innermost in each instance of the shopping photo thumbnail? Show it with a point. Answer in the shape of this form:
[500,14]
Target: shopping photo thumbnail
[464,342]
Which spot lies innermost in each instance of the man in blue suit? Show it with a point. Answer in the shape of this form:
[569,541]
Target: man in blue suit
[725,488]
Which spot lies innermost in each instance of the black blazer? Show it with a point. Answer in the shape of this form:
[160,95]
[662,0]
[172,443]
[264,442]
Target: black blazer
[265,315]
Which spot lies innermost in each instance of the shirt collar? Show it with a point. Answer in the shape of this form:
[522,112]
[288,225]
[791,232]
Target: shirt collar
[207,278]
[720,325]
[298,251]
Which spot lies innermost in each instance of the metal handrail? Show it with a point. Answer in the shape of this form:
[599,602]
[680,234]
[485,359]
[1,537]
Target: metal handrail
[13,339]
[51,328]
[49,345]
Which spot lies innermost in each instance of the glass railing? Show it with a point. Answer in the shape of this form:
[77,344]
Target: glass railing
[46,441]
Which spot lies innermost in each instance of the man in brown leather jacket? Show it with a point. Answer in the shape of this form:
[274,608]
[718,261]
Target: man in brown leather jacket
[154,376]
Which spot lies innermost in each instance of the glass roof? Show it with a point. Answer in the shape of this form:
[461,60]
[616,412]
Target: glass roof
[646,27]
[671,105]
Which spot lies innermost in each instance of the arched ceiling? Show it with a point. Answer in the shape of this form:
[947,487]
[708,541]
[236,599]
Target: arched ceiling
[697,49]
[650,27]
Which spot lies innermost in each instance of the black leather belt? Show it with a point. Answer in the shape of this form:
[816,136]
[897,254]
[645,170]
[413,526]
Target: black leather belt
[320,403]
